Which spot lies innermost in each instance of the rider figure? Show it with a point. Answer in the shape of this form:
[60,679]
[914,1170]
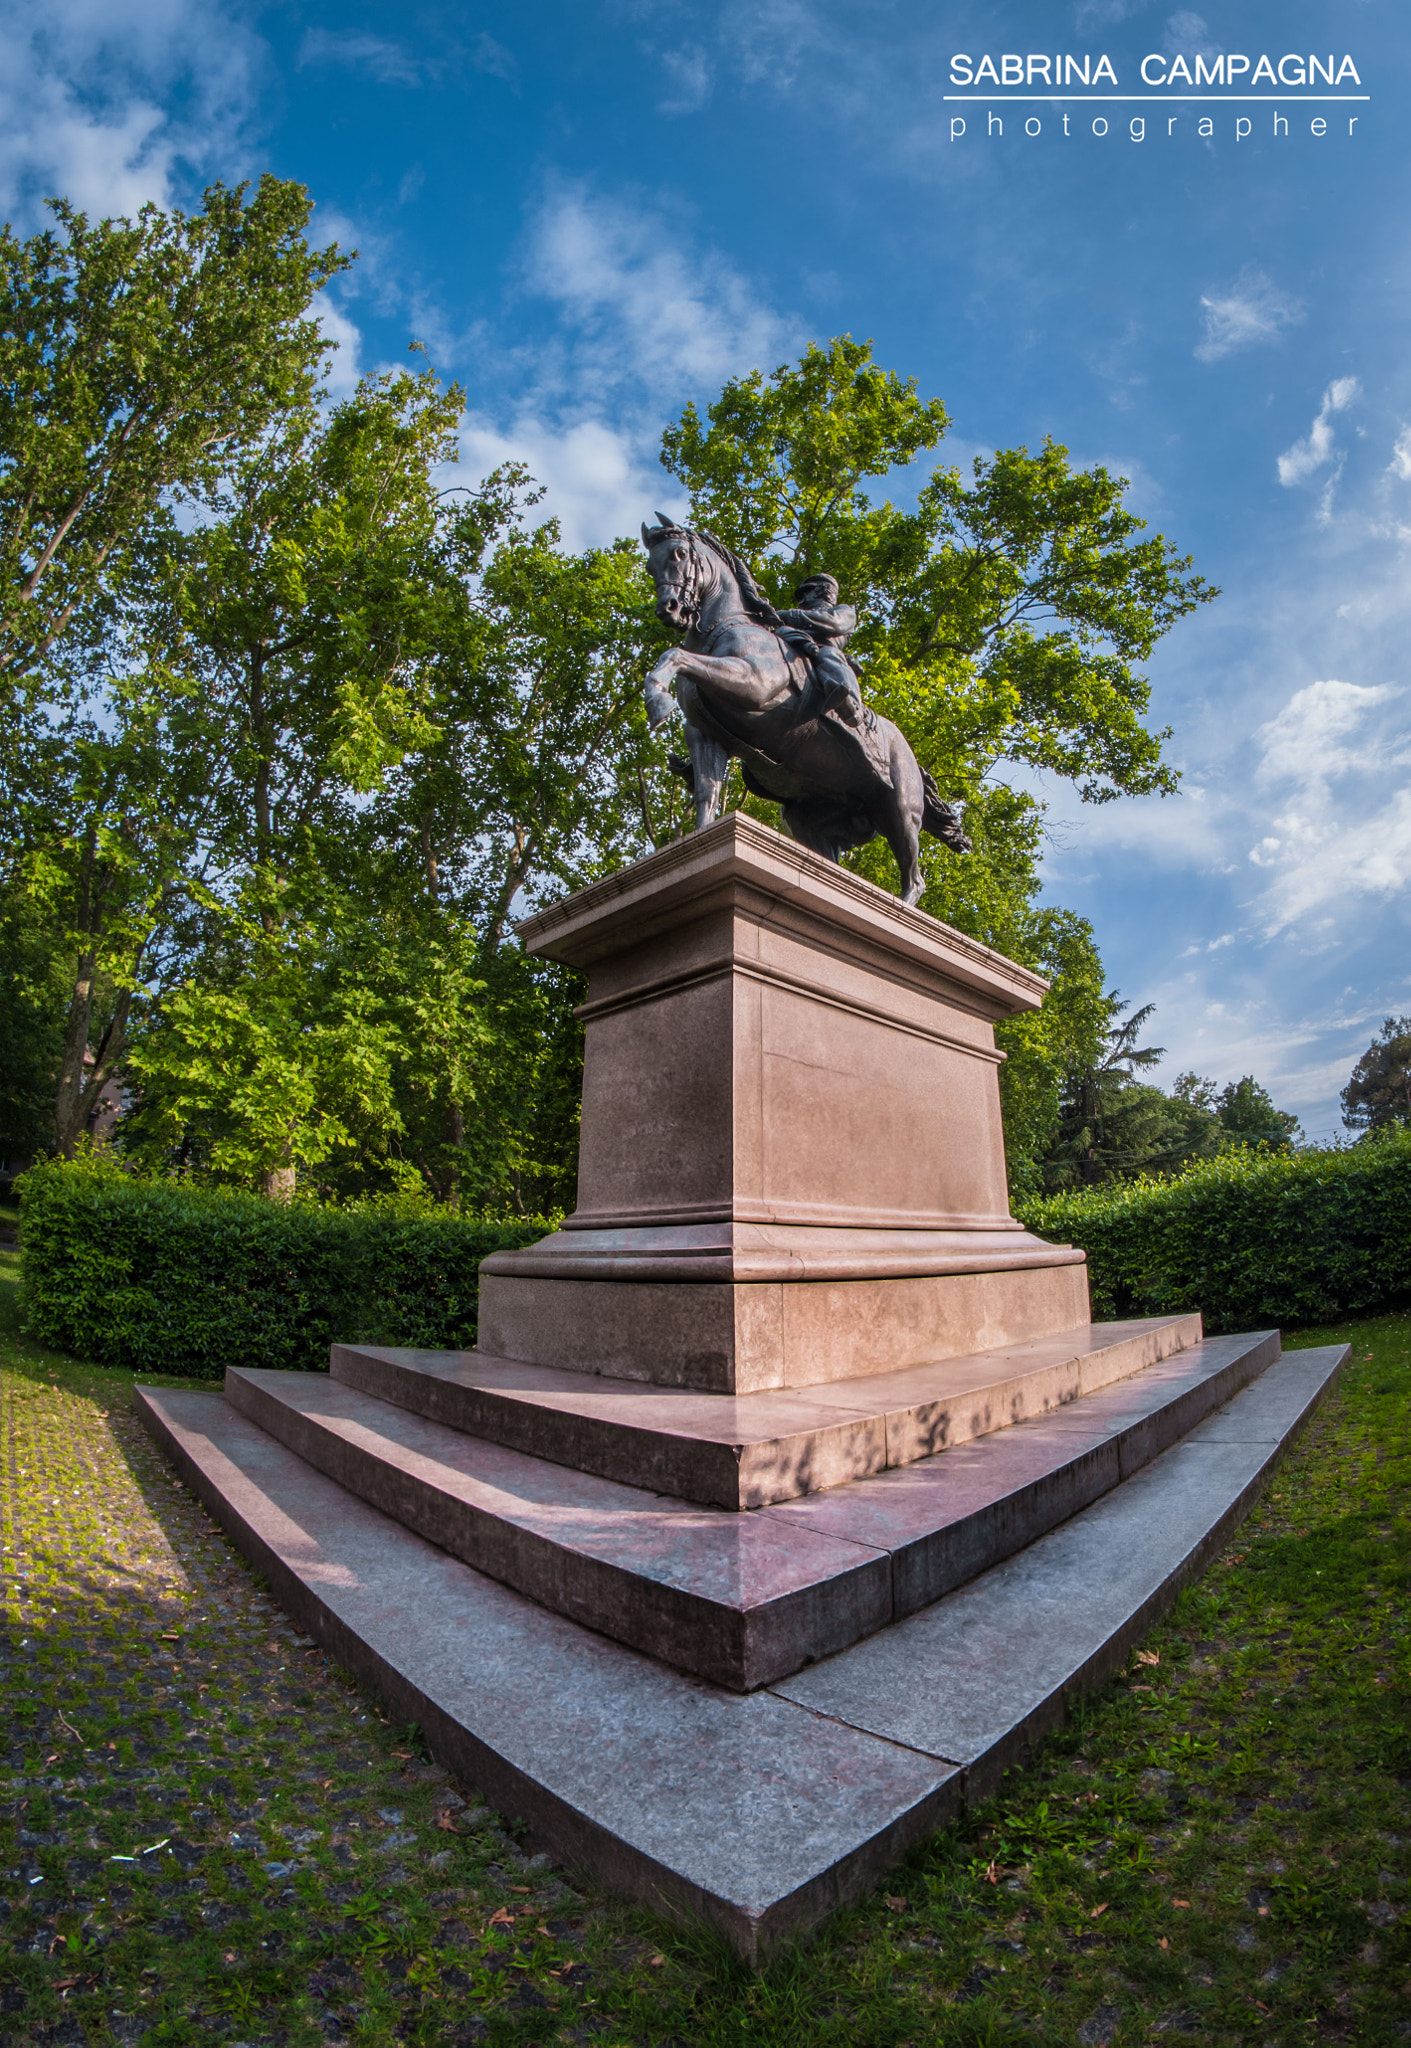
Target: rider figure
[829,625]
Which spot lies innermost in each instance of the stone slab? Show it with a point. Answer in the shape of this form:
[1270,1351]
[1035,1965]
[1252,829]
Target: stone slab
[733,1598]
[742,1599]
[748,1451]
[749,1813]
[757,1814]
[949,1517]
[747,1337]
[1000,1656]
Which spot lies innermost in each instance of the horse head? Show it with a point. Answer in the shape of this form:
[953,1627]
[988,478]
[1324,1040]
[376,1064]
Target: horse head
[680,569]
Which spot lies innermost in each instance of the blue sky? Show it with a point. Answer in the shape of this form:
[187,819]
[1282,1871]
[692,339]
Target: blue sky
[589,213]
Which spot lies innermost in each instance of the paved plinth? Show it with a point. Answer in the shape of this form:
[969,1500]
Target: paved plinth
[758,1813]
[748,1451]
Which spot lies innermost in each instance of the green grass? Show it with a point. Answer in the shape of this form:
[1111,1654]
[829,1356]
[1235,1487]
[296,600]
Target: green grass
[1215,1849]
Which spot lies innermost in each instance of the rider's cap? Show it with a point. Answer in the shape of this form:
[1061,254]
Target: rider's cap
[813,582]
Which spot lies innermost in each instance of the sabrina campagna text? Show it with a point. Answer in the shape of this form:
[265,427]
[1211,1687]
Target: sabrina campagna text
[1234,70]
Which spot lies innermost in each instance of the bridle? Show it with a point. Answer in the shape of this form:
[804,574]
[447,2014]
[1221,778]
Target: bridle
[688,591]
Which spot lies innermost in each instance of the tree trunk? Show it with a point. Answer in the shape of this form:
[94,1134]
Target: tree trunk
[68,1105]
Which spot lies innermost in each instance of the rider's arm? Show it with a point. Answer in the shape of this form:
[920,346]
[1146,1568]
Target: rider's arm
[825,621]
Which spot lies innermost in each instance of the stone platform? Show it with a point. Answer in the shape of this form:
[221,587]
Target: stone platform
[759,1811]
[743,1598]
[791,1489]
[750,1451]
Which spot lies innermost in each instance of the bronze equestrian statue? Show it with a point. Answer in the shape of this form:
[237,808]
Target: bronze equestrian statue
[776,691]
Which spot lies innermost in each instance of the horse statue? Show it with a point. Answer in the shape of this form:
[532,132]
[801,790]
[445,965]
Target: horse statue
[746,686]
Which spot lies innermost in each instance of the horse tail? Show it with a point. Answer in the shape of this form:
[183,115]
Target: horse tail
[939,818]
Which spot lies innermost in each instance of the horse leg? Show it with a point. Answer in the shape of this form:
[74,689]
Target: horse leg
[899,816]
[711,764]
[800,824]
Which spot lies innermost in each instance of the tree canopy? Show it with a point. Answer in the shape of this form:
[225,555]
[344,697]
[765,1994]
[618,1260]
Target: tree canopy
[1378,1093]
[290,732]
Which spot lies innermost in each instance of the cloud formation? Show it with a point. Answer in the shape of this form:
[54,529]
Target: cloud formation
[597,479]
[1250,310]
[1309,454]
[102,104]
[644,307]
[689,79]
[385,61]
[1322,849]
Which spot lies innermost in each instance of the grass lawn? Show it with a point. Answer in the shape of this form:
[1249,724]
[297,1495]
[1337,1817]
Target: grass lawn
[207,1833]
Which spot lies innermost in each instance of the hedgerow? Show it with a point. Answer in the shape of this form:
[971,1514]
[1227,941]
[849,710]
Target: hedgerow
[160,1276]
[1250,1238]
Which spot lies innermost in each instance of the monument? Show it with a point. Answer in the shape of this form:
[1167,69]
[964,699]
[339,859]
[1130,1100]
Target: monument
[790,1490]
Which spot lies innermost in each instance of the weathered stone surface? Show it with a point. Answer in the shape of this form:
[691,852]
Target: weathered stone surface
[741,1599]
[745,1451]
[733,1598]
[761,1813]
[947,1518]
[751,1337]
[791,1138]
[1000,1656]
[750,1812]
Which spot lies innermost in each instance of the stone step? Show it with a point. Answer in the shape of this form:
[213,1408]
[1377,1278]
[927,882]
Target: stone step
[752,1450]
[733,1598]
[758,1814]
[743,1599]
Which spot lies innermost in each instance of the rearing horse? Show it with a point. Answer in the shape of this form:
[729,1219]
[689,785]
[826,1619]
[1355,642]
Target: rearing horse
[747,692]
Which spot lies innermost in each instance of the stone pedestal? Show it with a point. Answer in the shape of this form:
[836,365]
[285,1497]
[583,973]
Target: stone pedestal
[791,1166]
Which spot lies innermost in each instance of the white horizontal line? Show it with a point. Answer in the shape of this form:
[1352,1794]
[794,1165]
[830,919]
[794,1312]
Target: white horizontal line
[1291,99]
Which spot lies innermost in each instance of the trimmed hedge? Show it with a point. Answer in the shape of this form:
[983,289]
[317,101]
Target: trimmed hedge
[157,1276]
[1250,1239]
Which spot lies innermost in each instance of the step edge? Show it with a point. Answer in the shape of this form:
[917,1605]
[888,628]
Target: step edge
[667,1612]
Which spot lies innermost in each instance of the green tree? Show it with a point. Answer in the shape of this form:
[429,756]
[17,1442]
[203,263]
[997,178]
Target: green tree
[138,360]
[431,713]
[1248,1117]
[32,992]
[1378,1093]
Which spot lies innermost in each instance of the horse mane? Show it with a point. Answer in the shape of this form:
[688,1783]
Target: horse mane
[756,604]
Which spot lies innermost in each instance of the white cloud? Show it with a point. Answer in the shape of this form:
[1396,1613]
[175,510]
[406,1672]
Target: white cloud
[1310,454]
[1302,1056]
[1250,310]
[1189,35]
[345,365]
[1101,13]
[493,58]
[1328,859]
[86,94]
[647,311]
[1400,464]
[598,481]
[1321,849]
[392,63]
[1303,743]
